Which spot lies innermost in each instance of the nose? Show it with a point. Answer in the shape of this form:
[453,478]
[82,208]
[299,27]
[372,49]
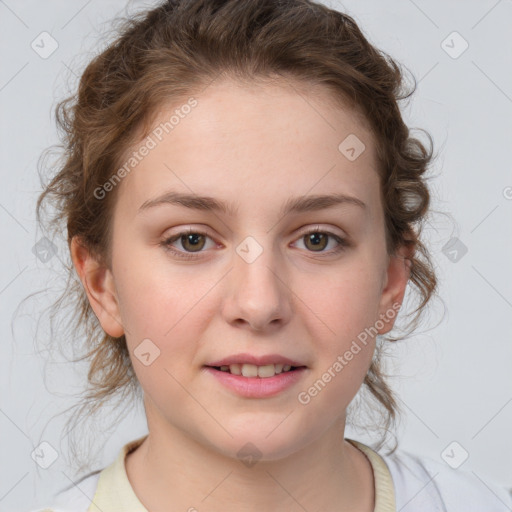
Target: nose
[259,295]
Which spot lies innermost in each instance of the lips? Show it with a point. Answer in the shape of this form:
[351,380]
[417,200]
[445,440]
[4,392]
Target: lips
[241,359]
[257,386]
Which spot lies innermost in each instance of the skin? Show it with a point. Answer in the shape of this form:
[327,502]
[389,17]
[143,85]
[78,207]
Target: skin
[255,147]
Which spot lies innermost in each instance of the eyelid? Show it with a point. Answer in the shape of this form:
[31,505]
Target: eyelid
[322,229]
[302,231]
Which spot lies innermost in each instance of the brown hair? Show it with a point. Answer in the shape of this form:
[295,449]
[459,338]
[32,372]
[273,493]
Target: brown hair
[172,52]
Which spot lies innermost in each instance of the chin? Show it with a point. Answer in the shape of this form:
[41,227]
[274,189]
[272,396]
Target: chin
[254,443]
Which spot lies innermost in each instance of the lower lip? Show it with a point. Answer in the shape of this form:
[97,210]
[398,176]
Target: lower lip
[256,387]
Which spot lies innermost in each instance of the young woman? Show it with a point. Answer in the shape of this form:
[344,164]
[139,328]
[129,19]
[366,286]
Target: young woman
[243,203]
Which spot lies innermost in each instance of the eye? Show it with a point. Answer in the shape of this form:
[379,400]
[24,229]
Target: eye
[317,240]
[191,240]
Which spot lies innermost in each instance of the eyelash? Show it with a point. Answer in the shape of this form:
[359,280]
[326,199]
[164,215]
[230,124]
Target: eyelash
[343,244]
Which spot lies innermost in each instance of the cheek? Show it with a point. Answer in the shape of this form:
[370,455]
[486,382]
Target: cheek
[343,303]
[344,310]
[345,306]
[155,296]
[172,309]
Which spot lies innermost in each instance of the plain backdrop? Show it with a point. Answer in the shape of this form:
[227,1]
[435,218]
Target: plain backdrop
[454,379]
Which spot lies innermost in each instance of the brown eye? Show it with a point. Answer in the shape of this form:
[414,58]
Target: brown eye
[192,242]
[324,243]
[316,241]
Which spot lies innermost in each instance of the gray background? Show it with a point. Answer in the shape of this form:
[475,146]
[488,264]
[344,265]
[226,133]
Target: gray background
[455,379]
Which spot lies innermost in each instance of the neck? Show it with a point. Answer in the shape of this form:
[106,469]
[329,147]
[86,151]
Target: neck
[170,467]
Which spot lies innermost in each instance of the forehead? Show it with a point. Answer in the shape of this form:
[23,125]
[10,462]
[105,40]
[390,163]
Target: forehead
[254,141]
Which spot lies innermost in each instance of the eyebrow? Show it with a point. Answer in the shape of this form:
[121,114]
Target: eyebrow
[293,205]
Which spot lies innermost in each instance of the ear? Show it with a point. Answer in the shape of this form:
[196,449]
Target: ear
[395,283]
[98,283]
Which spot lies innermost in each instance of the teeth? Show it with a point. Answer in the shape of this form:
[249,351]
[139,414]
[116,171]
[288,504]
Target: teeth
[251,370]
[266,371]
[235,369]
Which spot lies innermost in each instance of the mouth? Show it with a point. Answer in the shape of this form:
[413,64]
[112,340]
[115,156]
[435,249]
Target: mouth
[254,371]
[257,381]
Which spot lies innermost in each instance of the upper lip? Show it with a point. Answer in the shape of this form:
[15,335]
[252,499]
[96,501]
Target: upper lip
[256,360]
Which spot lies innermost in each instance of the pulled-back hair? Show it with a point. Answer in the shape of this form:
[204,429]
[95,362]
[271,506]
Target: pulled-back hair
[171,53]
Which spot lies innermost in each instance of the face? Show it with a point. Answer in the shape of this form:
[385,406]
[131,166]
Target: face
[191,284]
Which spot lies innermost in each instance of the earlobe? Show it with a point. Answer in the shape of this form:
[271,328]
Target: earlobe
[397,277]
[98,283]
